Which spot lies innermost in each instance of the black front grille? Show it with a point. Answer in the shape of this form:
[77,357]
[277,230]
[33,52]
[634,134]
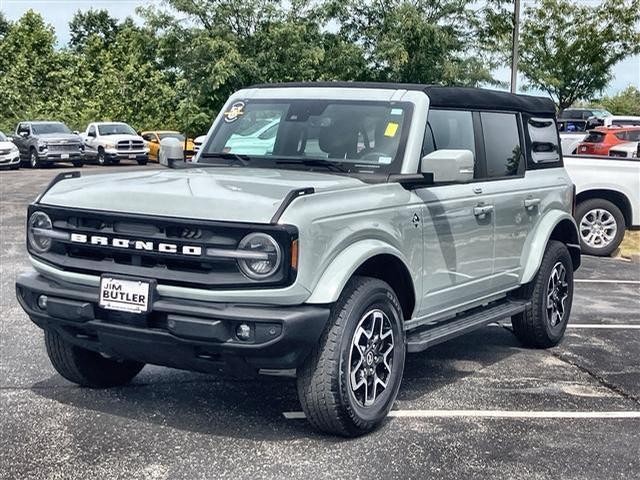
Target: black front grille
[176,268]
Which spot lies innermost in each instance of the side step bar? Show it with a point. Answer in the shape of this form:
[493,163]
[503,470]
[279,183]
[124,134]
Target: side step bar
[422,339]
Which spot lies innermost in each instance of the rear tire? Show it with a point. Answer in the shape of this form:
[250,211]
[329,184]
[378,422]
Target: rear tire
[142,161]
[350,380]
[88,368]
[601,226]
[78,164]
[544,322]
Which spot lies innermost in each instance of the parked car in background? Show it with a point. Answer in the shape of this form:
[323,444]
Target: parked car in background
[111,142]
[576,120]
[600,140]
[621,121]
[382,219]
[255,138]
[44,143]
[9,153]
[583,113]
[626,150]
[607,200]
[153,138]
[569,142]
[197,143]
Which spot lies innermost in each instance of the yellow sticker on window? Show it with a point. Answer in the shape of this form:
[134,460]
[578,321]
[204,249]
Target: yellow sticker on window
[391,129]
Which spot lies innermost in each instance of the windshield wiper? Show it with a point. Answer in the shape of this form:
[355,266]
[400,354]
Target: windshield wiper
[314,162]
[241,159]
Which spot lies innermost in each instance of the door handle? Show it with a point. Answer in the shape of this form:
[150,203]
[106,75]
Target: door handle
[482,210]
[531,203]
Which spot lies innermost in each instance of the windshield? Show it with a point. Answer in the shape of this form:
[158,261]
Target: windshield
[348,136]
[601,113]
[44,128]
[3,137]
[116,129]
[171,135]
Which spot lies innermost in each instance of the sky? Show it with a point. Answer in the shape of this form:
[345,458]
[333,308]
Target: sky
[59,12]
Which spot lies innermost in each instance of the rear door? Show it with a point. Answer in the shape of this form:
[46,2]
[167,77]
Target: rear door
[520,196]
[458,224]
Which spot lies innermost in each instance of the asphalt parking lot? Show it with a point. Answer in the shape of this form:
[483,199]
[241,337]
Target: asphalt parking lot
[476,407]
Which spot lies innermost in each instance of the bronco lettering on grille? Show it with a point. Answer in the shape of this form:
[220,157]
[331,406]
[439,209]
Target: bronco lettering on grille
[146,245]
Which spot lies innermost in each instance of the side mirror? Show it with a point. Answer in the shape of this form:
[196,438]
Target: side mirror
[76,132]
[23,134]
[449,165]
[154,140]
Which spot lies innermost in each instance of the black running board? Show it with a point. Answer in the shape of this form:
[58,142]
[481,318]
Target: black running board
[422,339]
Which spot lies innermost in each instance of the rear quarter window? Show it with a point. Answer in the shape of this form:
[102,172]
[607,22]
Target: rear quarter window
[542,139]
[594,137]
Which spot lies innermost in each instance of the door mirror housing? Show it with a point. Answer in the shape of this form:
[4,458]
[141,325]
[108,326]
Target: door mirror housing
[23,133]
[449,165]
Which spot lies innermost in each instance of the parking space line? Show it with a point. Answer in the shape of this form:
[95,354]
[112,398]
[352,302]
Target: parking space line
[626,282]
[493,414]
[600,326]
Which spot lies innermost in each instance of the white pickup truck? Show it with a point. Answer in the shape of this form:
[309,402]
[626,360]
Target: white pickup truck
[607,200]
[111,142]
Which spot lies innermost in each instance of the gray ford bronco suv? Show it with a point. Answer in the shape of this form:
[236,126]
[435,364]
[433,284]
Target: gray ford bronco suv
[365,222]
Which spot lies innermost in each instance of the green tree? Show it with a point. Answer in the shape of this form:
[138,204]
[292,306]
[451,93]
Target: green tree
[569,50]
[30,71]
[626,102]
[85,25]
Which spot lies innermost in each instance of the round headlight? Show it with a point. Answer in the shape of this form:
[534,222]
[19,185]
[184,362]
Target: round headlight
[267,259]
[37,222]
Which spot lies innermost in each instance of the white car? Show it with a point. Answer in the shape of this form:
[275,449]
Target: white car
[111,142]
[197,143]
[9,153]
[621,120]
[626,150]
[607,200]
[569,142]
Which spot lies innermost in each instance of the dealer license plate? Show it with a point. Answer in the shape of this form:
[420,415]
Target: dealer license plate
[64,155]
[124,295]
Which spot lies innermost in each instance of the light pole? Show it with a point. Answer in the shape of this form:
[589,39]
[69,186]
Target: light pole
[514,50]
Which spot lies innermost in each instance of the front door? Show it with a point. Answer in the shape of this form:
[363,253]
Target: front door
[458,232]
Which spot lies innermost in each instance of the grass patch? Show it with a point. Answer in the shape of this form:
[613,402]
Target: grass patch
[630,246]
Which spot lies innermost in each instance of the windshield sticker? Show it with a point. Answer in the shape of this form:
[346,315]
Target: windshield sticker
[391,129]
[384,160]
[235,112]
[396,111]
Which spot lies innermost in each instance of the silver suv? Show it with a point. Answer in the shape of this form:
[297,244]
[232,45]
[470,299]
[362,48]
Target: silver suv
[327,228]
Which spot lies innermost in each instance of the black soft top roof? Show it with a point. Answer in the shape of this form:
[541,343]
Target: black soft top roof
[448,97]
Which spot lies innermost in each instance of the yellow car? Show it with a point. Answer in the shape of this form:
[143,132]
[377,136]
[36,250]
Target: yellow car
[152,138]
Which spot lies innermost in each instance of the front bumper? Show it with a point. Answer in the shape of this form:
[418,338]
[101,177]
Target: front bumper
[191,335]
[9,159]
[118,155]
[74,156]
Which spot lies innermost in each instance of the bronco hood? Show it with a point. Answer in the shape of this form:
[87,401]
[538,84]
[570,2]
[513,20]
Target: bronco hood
[215,193]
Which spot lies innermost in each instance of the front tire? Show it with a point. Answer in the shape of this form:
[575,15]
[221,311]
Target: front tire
[101,158]
[350,380]
[601,225]
[142,161]
[544,322]
[88,368]
[33,159]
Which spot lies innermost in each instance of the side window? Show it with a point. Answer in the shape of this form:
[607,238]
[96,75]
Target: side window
[543,139]
[449,129]
[502,143]
[148,137]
